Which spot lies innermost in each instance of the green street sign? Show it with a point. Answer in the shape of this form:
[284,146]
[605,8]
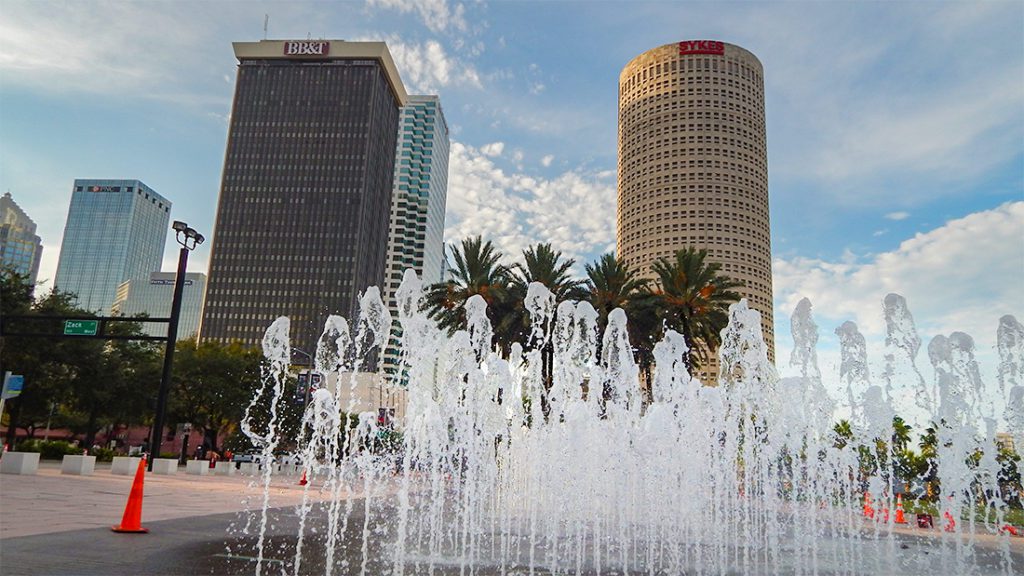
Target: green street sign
[81,327]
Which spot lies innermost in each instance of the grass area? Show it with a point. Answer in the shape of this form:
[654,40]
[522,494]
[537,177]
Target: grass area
[1013,516]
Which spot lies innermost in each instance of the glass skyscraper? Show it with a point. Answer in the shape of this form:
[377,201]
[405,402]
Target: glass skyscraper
[20,247]
[116,230]
[302,219]
[153,297]
[418,196]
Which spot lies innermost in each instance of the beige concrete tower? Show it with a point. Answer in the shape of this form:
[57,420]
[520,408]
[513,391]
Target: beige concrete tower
[693,166]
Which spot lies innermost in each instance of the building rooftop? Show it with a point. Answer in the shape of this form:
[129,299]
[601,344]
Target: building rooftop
[325,50]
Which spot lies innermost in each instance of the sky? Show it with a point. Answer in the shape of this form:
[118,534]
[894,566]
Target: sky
[895,130]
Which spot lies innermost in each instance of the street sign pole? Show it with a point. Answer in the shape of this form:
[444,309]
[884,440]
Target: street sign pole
[157,435]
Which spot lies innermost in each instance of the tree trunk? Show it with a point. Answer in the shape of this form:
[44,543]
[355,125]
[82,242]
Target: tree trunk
[12,424]
[91,427]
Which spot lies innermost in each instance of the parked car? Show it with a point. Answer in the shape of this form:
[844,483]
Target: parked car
[256,457]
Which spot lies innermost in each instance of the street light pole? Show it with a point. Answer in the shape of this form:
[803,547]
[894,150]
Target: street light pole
[188,238]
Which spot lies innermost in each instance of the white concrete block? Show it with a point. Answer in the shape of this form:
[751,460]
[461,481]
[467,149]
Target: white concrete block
[165,466]
[19,463]
[197,467]
[78,465]
[248,468]
[224,469]
[125,465]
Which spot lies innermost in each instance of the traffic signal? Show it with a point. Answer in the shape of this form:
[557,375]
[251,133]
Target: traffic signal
[302,388]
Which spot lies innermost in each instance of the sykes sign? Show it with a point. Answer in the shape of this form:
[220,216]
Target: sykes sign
[701,47]
[307,48]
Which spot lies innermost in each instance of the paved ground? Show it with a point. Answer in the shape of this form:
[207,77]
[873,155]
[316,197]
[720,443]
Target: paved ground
[51,502]
[60,525]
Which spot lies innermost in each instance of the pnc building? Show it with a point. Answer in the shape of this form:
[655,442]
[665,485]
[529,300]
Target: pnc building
[693,165]
[115,232]
[305,199]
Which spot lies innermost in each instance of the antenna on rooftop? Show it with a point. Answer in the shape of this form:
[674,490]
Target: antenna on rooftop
[266,22]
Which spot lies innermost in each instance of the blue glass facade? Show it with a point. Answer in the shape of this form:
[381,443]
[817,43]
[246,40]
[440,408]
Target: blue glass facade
[416,232]
[116,230]
[20,248]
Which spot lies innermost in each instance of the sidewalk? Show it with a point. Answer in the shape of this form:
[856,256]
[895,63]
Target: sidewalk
[51,502]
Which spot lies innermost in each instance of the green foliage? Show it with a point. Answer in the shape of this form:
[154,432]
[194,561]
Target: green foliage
[693,298]
[103,454]
[212,384]
[50,450]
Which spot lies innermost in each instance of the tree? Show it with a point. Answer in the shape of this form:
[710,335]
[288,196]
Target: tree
[477,271]
[211,385]
[693,299]
[49,365]
[611,284]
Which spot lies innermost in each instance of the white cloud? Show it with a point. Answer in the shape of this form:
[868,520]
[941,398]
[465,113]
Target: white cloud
[76,47]
[437,15]
[897,215]
[516,210]
[427,67]
[546,161]
[493,149]
[962,276]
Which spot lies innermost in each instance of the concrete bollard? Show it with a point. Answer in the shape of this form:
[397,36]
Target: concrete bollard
[125,465]
[19,463]
[78,465]
[197,467]
[224,469]
[165,466]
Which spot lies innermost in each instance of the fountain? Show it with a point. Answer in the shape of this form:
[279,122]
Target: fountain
[497,476]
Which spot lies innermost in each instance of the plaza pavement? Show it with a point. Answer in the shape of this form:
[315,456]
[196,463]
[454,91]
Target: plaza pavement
[53,502]
[60,524]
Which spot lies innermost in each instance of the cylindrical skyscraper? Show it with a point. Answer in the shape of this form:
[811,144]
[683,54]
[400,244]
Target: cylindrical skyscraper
[693,165]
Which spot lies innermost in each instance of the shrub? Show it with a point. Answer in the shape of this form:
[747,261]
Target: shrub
[103,454]
[28,446]
[51,450]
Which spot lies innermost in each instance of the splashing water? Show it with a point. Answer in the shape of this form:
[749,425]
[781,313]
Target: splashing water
[553,459]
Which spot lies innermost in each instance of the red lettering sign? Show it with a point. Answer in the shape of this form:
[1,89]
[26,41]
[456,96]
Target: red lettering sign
[701,47]
[307,48]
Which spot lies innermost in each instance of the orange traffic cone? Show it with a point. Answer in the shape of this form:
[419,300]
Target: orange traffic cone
[303,481]
[950,522]
[132,519]
[869,512]
[900,519]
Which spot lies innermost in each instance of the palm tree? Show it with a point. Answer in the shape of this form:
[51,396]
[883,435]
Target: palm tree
[477,271]
[900,434]
[694,300]
[543,264]
[610,285]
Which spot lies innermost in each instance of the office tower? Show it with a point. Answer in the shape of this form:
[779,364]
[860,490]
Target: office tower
[116,231]
[153,296]
[302,220]
[20,247]
[693,166]
[418,194]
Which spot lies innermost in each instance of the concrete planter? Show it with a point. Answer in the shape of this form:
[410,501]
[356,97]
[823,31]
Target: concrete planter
[197,467]
[165,466]
[248,468]
[225,469]
[19,463]
[78,465]
[124,465]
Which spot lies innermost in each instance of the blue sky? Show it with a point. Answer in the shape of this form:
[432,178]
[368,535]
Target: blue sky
[895,130]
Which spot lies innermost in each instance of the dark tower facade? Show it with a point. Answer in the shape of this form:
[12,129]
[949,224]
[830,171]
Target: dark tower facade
[305,199]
